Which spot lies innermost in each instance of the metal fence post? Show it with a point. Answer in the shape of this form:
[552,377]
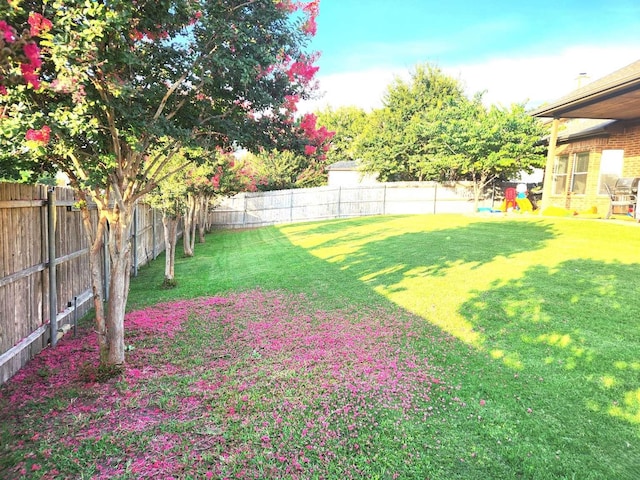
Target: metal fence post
[435,197]
[154,246]
[384,200]
[135,240]
[53,288]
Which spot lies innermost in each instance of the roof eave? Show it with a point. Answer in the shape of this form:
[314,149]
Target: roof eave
[585,97]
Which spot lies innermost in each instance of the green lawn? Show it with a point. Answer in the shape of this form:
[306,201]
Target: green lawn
[382,347]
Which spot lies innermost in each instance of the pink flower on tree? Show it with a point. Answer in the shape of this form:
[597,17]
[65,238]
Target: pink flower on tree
[302,70]
[308,124]
[32,52]
[197,16]
[8,32]
[41,136]
[310,27]
[286,5]
[38,24]
[28,71]
[291,102]
[317,139]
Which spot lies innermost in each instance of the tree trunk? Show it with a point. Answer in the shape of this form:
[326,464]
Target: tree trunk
[194,222]
[96,240]
[170,224]
[476,196]
[120,257]
[189,226]
[478,185]
[110,324]
[202,214]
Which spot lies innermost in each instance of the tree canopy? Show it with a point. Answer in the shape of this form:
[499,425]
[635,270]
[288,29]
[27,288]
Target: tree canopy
[105,82]
[473,142]
[347,124]
[428,129]
[393,142]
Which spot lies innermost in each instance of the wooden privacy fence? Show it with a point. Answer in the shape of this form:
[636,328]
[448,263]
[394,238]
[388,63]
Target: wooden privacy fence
[283,206]
[37,225]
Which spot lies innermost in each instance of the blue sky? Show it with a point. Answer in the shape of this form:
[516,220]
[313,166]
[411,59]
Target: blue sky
[518,51]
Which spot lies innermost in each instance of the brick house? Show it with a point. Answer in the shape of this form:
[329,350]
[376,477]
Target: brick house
[595,139]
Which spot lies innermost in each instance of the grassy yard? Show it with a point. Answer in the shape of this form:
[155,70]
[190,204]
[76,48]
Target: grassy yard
[426,347]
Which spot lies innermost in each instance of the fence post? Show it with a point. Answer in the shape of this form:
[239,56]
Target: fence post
[340,201]
[244,212]
[384,200]
[154,247]
[291,206]
[435,197]
[135,240]
[53,288]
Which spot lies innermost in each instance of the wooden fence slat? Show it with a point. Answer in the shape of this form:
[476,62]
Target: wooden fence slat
[4,204]
[24,343]
[22,274]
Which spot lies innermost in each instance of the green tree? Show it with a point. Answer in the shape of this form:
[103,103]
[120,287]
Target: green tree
[347,123]
[394,142]
[118,76]
[275,169]
[483,145]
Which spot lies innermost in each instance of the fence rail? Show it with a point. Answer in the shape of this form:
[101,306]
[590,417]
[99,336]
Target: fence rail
[28,219]
[284,206]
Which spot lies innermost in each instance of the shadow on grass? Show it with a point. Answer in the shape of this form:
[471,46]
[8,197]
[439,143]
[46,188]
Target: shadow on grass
[578,323]
[329,226]
[266,258]
[388,262]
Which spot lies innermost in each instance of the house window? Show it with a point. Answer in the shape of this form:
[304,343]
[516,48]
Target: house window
[579,177]
[560,169]
[610,169]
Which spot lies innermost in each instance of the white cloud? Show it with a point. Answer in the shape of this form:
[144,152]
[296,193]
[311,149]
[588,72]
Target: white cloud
[364,89]
[541,79]
[533,79]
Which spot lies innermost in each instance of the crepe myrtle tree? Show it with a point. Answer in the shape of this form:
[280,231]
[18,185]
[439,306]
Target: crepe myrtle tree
[115,77]
[189,193]
[20,62]
[219,176]
[299,161]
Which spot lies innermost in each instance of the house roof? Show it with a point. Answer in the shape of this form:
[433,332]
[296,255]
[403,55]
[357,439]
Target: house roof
[575,129]
[616,96]
[344,165]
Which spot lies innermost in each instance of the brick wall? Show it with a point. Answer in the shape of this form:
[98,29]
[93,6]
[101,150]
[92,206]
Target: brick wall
[618,136]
